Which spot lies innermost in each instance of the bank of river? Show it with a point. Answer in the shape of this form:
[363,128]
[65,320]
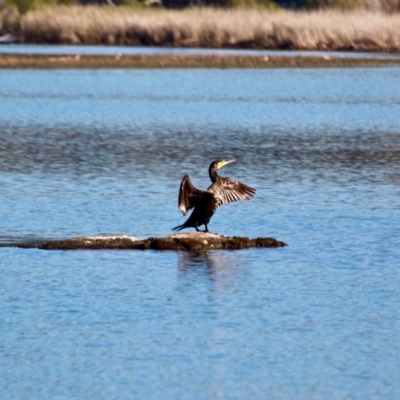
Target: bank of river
[183,61]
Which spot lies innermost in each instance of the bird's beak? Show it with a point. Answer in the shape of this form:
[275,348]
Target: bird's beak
[226,162]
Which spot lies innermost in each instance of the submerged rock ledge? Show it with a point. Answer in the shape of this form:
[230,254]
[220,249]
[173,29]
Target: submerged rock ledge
[194,241]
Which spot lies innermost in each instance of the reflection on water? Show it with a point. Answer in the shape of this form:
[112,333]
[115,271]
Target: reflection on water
[103,152]
[209,263]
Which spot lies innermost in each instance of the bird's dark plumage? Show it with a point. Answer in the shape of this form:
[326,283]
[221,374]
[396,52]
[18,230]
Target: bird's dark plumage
[223,190]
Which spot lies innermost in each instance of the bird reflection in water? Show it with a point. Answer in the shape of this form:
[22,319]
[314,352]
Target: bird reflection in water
[220,267]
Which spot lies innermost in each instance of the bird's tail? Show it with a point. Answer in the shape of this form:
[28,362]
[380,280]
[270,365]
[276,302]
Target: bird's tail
[179,227]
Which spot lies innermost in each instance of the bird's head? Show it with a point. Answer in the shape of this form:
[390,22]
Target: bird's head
[215,166]
[218,164]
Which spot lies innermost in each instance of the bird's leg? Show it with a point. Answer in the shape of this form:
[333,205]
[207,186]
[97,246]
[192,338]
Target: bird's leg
[199,230]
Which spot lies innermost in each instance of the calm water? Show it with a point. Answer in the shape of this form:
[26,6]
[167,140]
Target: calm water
[110,50]
[102,152]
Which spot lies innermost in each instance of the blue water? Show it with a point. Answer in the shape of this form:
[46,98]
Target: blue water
[131,50]
[102,152]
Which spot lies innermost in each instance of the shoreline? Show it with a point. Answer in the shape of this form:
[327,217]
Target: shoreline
[42,61]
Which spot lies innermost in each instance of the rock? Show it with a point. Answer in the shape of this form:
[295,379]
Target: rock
[194,241]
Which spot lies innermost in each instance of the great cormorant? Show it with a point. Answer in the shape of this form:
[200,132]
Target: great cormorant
[223,190]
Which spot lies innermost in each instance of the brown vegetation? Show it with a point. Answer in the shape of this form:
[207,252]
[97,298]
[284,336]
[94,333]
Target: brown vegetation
[184,61]
[217,28]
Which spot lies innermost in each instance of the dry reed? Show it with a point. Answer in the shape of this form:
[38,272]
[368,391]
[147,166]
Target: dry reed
[205,27]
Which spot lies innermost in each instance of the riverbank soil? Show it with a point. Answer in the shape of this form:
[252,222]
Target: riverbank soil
[185,61]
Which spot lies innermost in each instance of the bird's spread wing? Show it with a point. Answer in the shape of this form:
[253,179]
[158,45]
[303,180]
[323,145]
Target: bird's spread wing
[232,190]
[189,196]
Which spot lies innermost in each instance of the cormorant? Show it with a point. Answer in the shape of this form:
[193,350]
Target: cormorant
[223,190]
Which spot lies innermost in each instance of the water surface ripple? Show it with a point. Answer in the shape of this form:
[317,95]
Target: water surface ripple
[102,152]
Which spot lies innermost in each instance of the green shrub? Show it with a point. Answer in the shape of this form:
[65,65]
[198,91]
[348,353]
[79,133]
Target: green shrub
[338,4]
[9,18]
[131,3]
[23,6]
[251,3]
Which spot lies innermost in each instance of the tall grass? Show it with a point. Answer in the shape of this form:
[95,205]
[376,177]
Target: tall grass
[205,27]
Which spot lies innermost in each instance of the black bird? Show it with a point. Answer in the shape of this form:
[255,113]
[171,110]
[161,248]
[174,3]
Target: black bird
[223,190]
